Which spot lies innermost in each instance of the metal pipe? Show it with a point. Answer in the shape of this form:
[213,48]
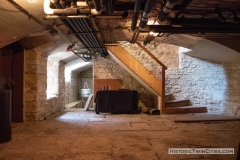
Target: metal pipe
[137,7]
[97,5]
[87,26]
[134,34]
[200,29]
[103,48]
[110,6]
[84,32]
[65,17]
[134,37]
[124,15]
[82,28]
[69,24]
[199,21]
[48,10]
[73,23]
[168,6]
[67,11]
[146,14]
[82,4]
[105,6]
[183,6]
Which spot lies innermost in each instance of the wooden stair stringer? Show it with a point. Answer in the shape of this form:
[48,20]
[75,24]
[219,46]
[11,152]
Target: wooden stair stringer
[137,68]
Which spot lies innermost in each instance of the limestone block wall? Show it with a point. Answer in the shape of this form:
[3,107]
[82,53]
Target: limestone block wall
[107,68]
[36,104]
[35,85]
[206,83]
[165,53]
[71,88]
[55,86]
[66,98]
[52,77]
[86,76]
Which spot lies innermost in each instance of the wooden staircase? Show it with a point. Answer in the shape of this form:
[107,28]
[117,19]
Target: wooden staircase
[168,104]
[173,106]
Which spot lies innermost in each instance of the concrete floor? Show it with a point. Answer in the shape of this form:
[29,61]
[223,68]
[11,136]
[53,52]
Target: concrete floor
[75,134]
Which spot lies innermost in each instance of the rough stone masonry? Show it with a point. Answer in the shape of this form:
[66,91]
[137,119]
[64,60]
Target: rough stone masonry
[214,85]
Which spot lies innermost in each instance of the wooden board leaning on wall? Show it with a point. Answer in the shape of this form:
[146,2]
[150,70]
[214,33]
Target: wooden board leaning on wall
[114,84]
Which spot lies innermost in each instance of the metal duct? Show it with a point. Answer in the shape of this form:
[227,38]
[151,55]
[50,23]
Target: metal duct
[137,8]
[97,5]
[166,10]
[146,14]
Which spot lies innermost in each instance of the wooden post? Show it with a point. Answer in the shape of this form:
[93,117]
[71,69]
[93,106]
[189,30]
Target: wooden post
[163,75]
[163,90]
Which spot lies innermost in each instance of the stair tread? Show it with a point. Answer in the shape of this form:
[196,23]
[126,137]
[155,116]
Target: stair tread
[177,100]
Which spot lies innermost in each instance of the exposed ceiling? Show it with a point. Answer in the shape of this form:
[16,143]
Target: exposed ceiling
[215,20]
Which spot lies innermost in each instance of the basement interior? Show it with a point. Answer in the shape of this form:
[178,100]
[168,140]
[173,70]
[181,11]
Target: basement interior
[120,79]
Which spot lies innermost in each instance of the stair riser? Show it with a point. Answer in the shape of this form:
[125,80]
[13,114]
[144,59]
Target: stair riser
[185,110]
[177,104]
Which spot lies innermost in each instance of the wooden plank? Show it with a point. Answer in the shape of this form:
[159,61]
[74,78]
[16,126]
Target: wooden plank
[205,118]
[89,100]
[114,84]
[163,91]
[136,68]
[163,75]
[200,117]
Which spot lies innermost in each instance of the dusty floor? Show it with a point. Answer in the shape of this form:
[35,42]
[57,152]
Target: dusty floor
[74,134]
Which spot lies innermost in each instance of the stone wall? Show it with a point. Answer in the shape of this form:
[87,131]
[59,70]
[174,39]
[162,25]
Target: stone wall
[56,86]
[36,104]
[86,76]
[35,82]
[213,85]
[107,68]
[71,88]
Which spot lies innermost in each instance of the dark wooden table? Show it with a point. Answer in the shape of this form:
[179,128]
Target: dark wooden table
[117,101]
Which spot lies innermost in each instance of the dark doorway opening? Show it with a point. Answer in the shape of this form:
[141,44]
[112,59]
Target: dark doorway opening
[12,69]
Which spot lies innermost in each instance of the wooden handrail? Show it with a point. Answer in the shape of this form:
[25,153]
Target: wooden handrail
[150,54]
[163,74]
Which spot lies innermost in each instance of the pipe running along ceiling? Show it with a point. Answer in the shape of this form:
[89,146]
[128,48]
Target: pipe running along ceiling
[167,16]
